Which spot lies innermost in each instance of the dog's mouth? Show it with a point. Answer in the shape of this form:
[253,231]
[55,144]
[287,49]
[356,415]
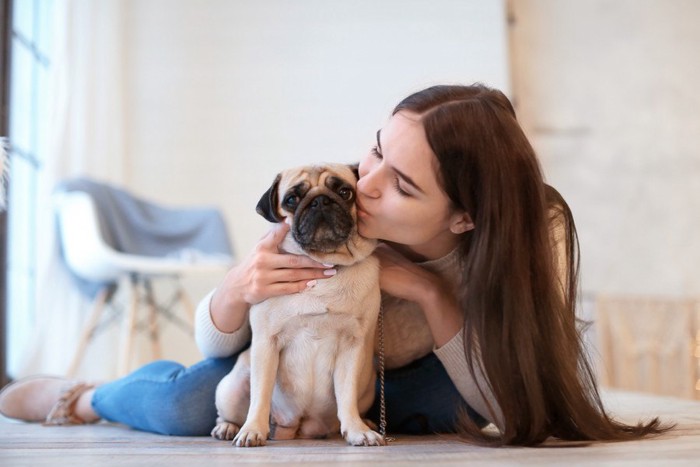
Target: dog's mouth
[322,225]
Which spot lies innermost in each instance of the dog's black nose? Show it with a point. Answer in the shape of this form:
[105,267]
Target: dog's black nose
[320,201]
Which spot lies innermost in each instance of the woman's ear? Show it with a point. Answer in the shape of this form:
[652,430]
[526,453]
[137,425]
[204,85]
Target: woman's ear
[461,222]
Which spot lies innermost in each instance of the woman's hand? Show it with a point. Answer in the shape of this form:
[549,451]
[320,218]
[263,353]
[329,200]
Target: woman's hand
[263,274]
[403,279]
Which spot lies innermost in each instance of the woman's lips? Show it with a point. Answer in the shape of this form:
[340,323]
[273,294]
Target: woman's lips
[361,212]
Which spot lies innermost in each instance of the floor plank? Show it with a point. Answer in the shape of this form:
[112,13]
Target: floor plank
[106,444]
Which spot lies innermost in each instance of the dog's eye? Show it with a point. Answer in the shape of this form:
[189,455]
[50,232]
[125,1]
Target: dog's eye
[345,193]
[291,201]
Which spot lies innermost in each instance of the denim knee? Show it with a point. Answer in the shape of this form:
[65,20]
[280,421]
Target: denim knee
[184,413]
[165,397]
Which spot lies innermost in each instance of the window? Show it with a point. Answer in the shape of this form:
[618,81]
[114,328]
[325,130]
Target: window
[30,32]
[4,79]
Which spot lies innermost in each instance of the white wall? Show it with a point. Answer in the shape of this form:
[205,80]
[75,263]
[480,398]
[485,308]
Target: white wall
[608,92]
[222,94]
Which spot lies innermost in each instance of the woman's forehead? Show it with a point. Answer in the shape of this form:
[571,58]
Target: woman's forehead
[403,134]
[405,147]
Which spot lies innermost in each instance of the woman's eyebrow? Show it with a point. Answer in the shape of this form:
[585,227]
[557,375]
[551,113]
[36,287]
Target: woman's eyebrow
[405,177]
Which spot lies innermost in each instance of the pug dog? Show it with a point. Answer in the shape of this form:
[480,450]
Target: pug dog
[309,370]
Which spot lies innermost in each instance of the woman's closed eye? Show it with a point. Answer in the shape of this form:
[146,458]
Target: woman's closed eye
[397,187]
[396,184]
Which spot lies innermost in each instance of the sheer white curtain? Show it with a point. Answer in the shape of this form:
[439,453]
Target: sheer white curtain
[85,137]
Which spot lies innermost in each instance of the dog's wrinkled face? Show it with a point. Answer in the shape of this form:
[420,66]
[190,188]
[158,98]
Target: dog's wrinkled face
[319,204]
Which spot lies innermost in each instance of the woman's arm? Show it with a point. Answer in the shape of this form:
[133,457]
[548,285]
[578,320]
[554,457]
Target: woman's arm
[222,316]
[403,279]
[213,342]
[470,387]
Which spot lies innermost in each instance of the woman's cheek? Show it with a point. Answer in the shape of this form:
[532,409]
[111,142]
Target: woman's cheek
[406,214]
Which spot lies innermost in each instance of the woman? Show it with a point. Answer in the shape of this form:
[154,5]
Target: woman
[479,270]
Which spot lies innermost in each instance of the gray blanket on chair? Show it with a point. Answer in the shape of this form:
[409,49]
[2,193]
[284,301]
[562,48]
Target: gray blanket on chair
[139,227]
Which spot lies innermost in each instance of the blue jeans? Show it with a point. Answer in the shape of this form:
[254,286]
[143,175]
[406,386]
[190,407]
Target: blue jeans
[165,397]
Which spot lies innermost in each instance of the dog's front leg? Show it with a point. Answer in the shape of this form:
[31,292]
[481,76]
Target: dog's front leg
[349,365]
[264,359]
[233,399]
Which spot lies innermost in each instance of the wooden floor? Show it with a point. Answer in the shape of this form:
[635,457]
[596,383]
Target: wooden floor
[106,444]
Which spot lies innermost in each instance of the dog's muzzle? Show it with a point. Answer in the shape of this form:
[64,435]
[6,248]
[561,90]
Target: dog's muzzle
[322,224]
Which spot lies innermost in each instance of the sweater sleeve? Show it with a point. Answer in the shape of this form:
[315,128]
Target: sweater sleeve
[455,362]
[212,342]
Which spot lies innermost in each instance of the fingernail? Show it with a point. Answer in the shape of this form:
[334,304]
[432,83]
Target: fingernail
[330,272]
[328,265]
[310,284]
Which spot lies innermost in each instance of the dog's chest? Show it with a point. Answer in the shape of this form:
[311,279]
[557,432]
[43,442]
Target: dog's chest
[343,305]
[309,325]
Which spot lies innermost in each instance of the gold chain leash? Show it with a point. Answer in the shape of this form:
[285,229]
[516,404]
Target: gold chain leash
[382,402]
[697,355]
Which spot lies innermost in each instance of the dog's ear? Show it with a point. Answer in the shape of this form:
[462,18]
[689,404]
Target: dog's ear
[267,206]
[355,169]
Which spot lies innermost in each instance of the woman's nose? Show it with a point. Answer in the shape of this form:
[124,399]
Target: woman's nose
[367,185]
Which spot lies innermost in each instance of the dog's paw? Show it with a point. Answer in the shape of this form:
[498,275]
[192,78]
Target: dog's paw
[225,430]
[363,437]
[250,436]
[370,424]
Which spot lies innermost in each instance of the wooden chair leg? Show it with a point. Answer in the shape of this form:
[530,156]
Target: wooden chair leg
[152,320]
[187,305]
[129,329]
[103,298]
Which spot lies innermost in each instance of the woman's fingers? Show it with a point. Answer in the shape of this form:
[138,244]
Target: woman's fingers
[270,244]
[272,273]
[284,282]
[293,270]
[289,261]
[274,237]
[288,288]
[298,275]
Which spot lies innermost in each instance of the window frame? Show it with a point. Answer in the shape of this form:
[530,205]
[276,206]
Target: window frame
[28,63]
[5,60]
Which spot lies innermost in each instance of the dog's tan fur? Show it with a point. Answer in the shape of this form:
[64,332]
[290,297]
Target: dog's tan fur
[309,368]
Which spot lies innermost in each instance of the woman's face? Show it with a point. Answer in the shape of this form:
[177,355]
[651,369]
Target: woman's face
[399,197]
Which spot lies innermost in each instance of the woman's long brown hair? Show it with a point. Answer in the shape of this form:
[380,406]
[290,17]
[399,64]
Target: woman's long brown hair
[519,311]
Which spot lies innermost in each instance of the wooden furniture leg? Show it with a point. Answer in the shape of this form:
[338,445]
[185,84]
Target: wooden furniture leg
[187,304]
[103,298]
[152,320]
[129,328]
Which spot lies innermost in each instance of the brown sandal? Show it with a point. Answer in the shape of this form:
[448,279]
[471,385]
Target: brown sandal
[63,412]
[48,399]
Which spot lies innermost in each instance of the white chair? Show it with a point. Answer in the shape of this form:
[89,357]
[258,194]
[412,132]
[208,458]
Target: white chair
[89,257]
